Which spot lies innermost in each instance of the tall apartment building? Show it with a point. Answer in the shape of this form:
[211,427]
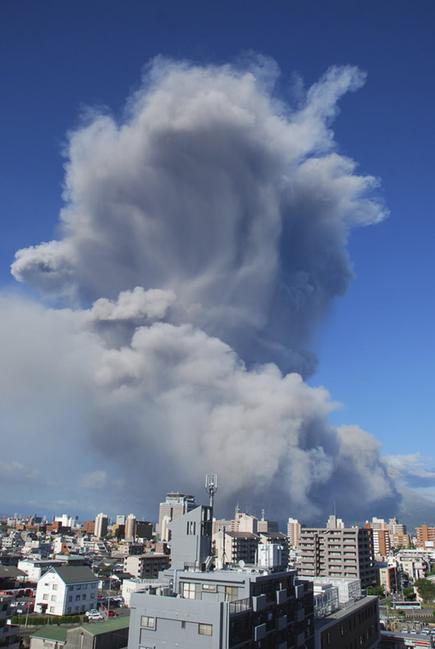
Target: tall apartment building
[381,543]
[293,533]
[175,505]
[130,528]
[333,552]
[425,536]
[195,607]
[101,525]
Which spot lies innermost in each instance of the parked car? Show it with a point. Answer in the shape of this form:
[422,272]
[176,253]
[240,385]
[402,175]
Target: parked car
[92,611]
[112,614]
[95,617]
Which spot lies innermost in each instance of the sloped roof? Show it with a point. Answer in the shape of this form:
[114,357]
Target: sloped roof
[11,572]
[51,632]
[75,574]
[112,624]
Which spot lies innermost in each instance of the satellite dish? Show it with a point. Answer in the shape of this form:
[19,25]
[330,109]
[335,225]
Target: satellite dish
[242,564]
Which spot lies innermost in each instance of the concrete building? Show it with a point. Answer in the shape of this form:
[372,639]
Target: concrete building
[146,566]
[232,547]
[8,632]
[293,533]
[175,505]
[356,625]
[389,578]
[101,525]
[144,530]
[240,606]
[381,543]
[130,528]
[223,609]
[35,568]
[67,590]
[425,536]
[349,590]
[333,552]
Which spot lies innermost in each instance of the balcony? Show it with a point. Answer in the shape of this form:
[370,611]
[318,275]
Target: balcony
[240,606]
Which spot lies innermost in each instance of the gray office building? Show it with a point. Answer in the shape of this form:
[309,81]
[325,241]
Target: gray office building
[240,606]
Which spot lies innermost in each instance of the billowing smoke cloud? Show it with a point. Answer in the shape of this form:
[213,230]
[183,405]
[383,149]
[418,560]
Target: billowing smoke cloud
[202,239]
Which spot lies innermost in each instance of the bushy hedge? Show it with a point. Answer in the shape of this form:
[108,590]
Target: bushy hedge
[37,620]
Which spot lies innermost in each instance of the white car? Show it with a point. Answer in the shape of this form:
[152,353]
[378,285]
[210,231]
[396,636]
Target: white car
[95,616]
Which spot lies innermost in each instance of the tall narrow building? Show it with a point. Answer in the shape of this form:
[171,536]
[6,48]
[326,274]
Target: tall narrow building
[101,525]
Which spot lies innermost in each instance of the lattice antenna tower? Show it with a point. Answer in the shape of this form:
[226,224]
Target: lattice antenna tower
[211,485]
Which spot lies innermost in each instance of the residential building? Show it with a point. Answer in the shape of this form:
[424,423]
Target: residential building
[144,530]
[66,590]
[293,533]
[241,606]
[35,568]
[389,578]
[146,565]
[88,527]
[233,547]
[175,505]
[130,528]
[381,543]
[335,552]
[101,525]
[8,632]
[425,536]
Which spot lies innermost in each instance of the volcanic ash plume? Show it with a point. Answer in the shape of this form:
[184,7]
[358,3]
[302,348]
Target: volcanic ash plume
[202,240]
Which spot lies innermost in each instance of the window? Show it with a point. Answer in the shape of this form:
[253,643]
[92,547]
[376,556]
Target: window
[55,586]
[51,609]
[78,587]
[77,598]
[53,598]
[205,629]
[148,622]
[85,587]
[231,593]
[189,590]
[92,595]
[45,597]
[183,624]
[71,588]
[70,598]
[211,588]
[83,596]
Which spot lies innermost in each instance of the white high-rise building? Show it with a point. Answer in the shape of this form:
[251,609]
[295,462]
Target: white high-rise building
[101,524]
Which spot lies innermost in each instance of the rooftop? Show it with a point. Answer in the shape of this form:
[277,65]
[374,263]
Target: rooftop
[75,574]
[112,624]
[346,610]
[51,632]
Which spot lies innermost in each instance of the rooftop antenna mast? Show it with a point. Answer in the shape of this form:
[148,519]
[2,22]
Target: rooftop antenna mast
[211,485]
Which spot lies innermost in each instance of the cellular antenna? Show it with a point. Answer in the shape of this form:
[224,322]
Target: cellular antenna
[211,485]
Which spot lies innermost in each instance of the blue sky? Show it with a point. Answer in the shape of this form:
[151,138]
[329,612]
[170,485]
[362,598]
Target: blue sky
[376,348]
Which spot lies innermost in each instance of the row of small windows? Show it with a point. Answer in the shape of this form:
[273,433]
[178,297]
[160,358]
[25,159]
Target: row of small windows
[149,623]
